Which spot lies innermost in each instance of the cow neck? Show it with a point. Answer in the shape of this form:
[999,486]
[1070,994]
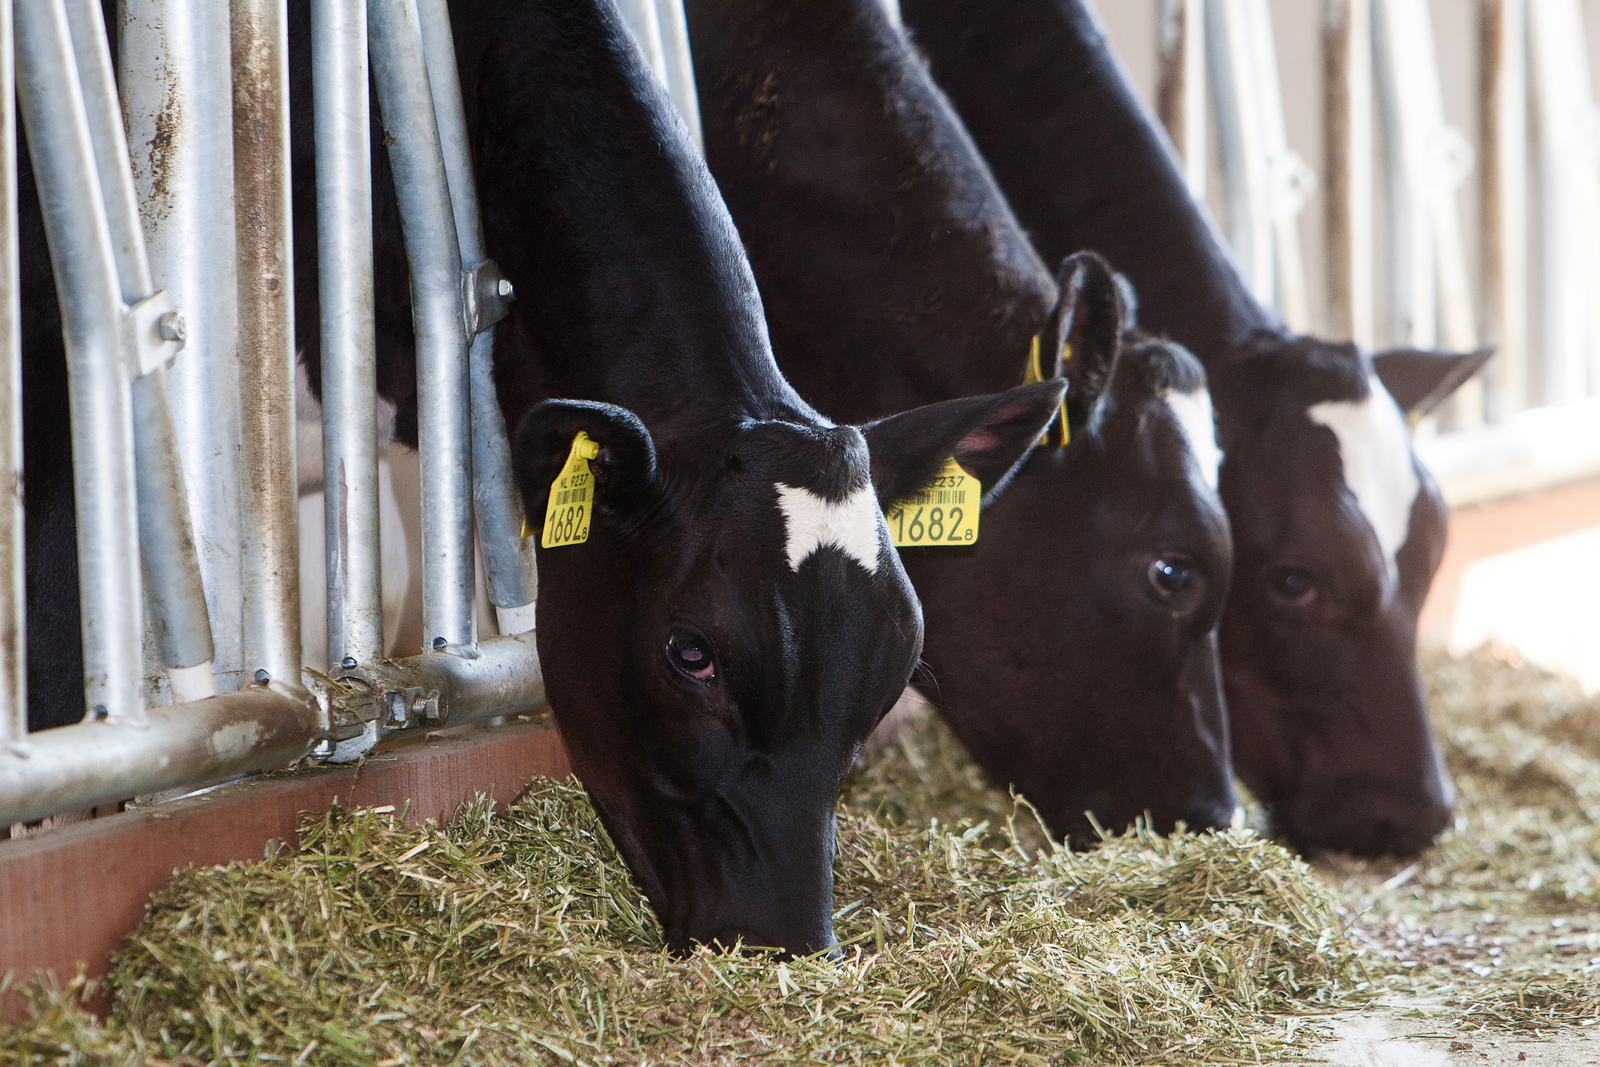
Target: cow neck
[1082,162]
[632,287]
[893,272]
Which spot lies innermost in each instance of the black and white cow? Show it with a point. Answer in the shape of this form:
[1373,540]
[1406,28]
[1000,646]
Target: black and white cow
[1337,529]
[736,622]
[1073,647]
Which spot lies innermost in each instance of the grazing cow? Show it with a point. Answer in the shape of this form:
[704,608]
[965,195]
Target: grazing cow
[1337,529]
[1072,648]
[736,622]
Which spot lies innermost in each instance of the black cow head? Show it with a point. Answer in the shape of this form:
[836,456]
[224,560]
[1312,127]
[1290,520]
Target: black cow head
[1337,533]
[1073,649]
[742,623]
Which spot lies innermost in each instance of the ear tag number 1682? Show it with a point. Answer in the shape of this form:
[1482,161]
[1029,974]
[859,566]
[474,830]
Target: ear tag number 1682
[945,513]
[566,516]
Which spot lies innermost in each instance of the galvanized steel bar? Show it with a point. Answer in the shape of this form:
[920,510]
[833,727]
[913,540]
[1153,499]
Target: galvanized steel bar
[1290,181]
[100,762]
[177,102]
[13,590]
[640,15]
[508,558]
[102,417]
[1181,92]
[269,491]
[1429,160]
[1240,143]
[166,537]
[349,347]
[674,26]
[444,395]
[1347,110]
[1565,139]
[1504,186]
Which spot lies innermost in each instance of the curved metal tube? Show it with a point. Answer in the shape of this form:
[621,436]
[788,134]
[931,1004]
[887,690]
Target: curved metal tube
[507,558]
[166,535]
[443,391]
[102,410]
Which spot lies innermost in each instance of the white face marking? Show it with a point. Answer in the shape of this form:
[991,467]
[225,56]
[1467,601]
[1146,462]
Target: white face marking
[1193,412]
[854,525]
[1375,445]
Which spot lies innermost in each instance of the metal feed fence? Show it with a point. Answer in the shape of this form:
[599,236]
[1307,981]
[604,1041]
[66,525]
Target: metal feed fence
[174,268]
[1393,171]
[183,398]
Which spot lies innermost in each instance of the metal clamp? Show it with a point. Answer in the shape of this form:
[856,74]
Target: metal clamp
[154,333]
[486,296]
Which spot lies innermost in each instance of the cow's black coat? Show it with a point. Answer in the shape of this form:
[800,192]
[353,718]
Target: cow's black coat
[711,683]
[894,274]
[1329,722]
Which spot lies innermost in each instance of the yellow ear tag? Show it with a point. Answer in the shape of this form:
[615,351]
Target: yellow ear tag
[944,514]
[566,516]
[1033,374]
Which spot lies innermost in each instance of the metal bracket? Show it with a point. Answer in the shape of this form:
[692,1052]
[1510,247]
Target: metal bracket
[486,296]
[153,332]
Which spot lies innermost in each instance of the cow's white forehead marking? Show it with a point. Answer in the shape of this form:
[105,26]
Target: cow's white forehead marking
[854,525]
[1375,447]
[1193,412]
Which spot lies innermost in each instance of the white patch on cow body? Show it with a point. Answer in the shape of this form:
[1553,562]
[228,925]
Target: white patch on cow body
[1199,425]
[854,525]
[1375,447]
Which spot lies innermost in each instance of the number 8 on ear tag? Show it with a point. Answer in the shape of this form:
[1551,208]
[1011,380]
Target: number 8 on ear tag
[945,514]
[566,516]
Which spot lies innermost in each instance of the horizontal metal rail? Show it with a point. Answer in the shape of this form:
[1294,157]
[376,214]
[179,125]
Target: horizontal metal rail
[239,733]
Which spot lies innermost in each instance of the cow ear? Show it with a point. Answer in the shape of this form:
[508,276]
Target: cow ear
[987,435]
[1420,381]
[1086,328]
[624,470]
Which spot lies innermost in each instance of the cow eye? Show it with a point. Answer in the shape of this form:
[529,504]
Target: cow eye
[1171,578]
[691,653]
[1293,586]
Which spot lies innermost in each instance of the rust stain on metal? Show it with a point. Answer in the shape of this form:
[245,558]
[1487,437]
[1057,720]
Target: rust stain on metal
[266,311]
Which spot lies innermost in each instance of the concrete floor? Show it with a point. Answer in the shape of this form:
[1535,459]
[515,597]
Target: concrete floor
[1384,1038]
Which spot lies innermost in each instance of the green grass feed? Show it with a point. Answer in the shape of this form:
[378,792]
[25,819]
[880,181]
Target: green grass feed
[516,936]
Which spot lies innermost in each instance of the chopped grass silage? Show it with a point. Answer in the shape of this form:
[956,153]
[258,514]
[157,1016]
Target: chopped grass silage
[517,937]
[1498,926]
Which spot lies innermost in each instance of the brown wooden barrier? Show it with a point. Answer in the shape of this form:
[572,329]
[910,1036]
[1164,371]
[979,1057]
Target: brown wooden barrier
[70,895]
